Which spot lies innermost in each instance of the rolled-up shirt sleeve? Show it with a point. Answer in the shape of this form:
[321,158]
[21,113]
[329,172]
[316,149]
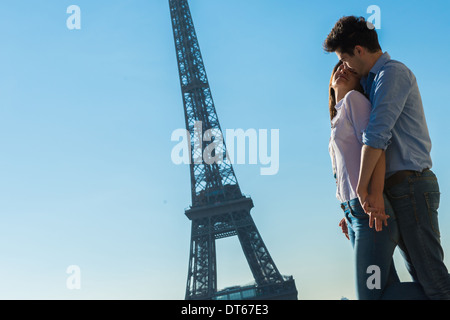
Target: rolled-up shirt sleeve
[392,86]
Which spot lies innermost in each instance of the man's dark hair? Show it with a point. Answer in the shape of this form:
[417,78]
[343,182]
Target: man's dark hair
[349,32]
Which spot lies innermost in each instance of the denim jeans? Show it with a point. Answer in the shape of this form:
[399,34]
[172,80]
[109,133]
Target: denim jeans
[415,202]
[375,274]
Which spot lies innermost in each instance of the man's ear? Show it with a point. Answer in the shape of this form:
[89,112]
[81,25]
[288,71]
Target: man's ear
[359,51]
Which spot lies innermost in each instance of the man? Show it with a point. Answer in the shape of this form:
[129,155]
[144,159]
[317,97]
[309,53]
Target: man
[397,126]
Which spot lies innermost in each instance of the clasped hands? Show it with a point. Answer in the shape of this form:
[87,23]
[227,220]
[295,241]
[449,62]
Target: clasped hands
[373,205]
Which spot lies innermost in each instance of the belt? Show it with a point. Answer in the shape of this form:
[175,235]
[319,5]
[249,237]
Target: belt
[400,176]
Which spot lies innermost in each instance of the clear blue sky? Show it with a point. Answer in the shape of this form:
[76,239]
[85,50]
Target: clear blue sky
[86,118]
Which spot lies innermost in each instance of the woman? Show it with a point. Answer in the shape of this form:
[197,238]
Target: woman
[376,277]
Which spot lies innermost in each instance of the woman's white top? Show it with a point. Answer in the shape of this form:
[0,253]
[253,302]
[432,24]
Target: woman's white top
[347,127]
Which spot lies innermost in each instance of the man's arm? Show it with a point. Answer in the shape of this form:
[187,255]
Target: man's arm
[392,88]
[376,185]
[369,160]
[374,202]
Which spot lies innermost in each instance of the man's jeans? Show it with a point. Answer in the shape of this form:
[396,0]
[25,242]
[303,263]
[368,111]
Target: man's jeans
[376,277]
[415,202]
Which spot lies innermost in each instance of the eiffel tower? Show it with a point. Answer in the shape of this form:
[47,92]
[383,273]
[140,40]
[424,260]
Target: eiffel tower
[219,209]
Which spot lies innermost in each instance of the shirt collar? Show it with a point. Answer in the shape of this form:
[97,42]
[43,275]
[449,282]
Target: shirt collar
[385,57]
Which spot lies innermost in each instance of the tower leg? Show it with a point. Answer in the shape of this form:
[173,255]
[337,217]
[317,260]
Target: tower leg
[261,264]
[202,274]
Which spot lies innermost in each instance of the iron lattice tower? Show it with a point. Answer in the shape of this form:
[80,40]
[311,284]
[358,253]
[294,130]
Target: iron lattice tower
[219,209]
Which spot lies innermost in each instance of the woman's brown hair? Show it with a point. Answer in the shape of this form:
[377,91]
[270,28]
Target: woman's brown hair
[331,93]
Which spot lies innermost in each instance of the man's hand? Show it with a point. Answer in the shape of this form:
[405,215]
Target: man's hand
[374,206]
[377,217]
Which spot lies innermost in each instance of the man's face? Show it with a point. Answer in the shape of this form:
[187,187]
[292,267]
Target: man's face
[352,62]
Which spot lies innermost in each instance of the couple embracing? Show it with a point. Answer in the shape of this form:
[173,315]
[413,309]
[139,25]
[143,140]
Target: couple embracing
[380,152]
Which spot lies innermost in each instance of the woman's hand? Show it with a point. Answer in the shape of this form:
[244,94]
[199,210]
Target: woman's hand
[343,225]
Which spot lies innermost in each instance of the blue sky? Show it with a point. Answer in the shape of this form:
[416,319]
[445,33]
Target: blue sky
[86,118]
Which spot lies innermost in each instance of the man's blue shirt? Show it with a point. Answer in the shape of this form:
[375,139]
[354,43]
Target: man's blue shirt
[397,122]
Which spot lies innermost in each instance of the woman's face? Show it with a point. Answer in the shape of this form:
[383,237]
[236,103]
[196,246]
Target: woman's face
[344,79]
